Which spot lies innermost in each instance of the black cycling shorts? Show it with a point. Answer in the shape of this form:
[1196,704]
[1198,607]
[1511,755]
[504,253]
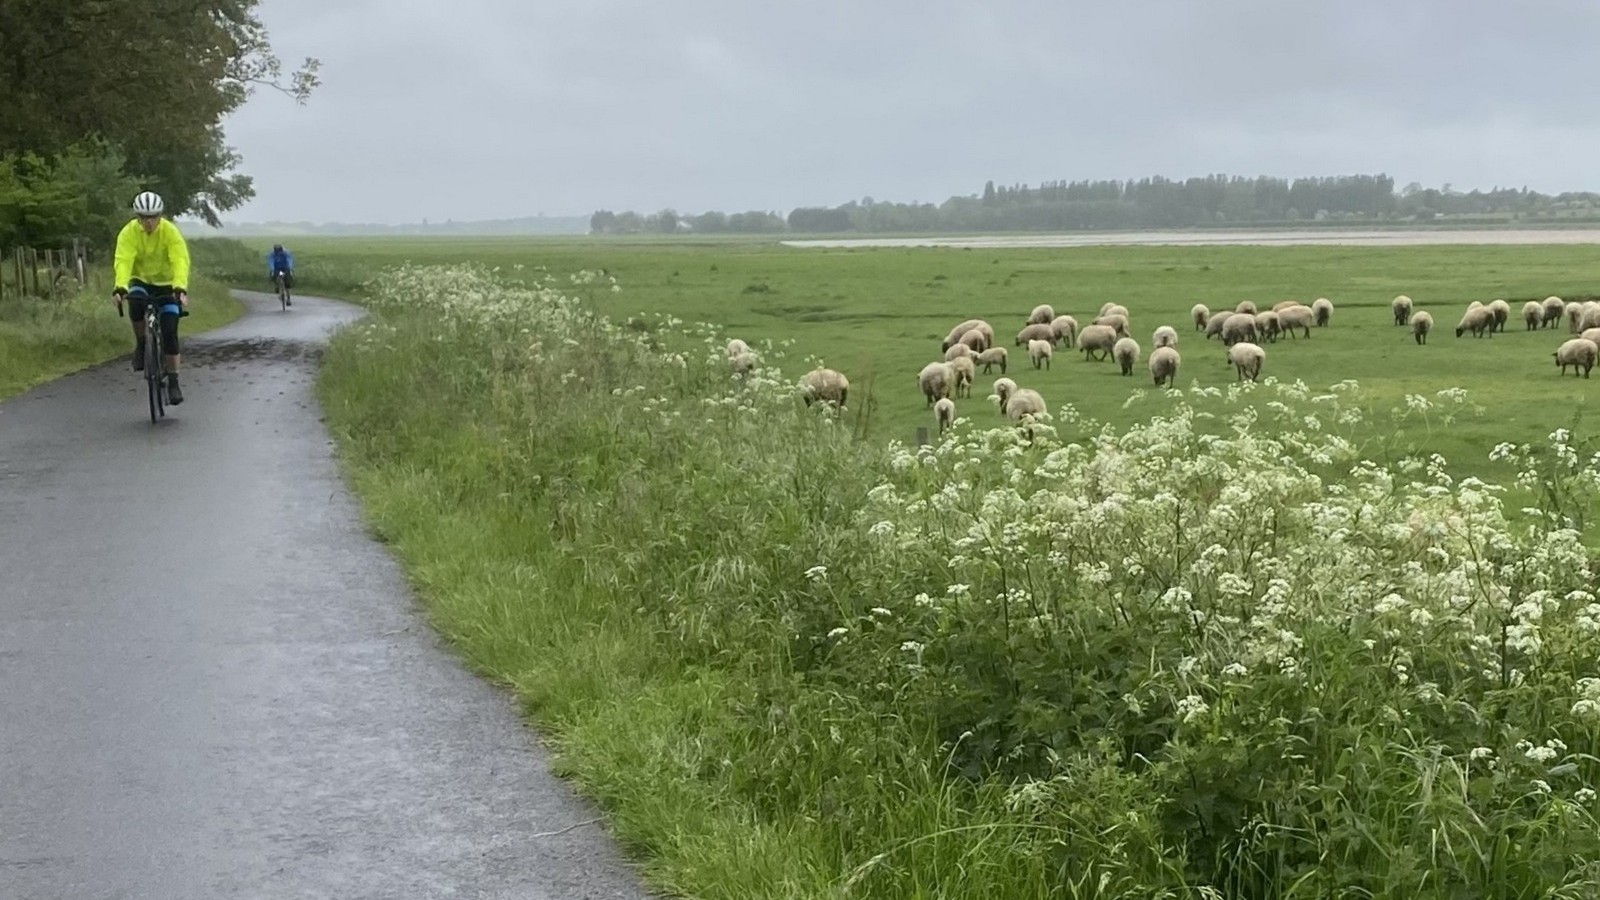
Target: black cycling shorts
[159,294]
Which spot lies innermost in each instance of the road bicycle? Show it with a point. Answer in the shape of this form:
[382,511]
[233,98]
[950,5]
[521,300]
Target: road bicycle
[153,352]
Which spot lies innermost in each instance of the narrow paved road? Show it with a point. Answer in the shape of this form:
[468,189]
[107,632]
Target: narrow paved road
[213,684]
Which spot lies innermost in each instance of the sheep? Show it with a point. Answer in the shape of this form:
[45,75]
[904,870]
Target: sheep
[736,347]
[1282,305]
[1246,307]
[1502,312]
[826,386]
[1165,336]
[1024,402]
[937,379]
[969,325]
[1267,325]
[1114,309]
[1575,316]
[1247,359]
[1532,315]
[1040,352]
[1239,327]
[1554,308]
[1003,389]
[958,350]
[1474,304]
[1164,366]
[1201,315]
[975,340]
[1590,317]
[1322,311]
[1577,353]
[945,413]
[1478,320]
[1295,317]
[744,363]
[1591,334]
[966,370]
[1041,315]
[1402,309]
[1421,324]
[1116,321]
[1065,329]
[1097,337]
[992,357]
[1127,353]
[1215,323]
[1035,332]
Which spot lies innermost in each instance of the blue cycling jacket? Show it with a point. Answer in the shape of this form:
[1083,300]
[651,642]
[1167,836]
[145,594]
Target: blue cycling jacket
[279,261]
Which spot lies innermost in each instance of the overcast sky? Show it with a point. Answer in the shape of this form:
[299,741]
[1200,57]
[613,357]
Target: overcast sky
[474,109]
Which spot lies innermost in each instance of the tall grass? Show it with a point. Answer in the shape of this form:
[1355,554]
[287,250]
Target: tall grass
[1213,653]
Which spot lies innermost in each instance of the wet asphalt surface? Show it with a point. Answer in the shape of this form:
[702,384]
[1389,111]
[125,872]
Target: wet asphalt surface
[214,684]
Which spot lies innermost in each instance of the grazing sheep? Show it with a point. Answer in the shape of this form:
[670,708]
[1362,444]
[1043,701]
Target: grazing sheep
[1502,312]
[1247,359]
[1117,321]
[826,386]
[1127,353]
[966,370]
[937,379]
[1321,311]
[1065,329]
[992,357]
[969,325]
[1040,352]
[1024,402]
[1579,354]
[1097,337]
[1282,305]
[1478,319]
[1575,316]
[1295,317]
[1554,308]
[958,350]
[1041,315]
[945,412]
[1201,315]
[1165,336]
[1164,366]
[1532,314]
[976,340]
[1247,308]
[1239,327]
[1035,332]
[1474,304]
[1114,309]
[736,347]
[1591,334]
[1003,389]
[1267,325]
[743,363]
[1215,323]
[1590,317]
[1402,309]
[1421,324]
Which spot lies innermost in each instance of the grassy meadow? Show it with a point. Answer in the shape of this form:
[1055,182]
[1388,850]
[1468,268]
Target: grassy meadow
[1236,643]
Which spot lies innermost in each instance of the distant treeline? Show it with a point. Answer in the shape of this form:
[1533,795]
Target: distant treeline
[1156,202]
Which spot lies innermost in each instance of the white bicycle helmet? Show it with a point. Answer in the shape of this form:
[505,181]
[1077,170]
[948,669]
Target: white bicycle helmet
[148,204]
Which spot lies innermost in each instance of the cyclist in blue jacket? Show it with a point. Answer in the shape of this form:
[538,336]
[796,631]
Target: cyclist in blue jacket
[281,260]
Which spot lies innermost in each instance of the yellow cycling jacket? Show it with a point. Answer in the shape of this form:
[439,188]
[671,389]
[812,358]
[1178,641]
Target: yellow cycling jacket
[160,259]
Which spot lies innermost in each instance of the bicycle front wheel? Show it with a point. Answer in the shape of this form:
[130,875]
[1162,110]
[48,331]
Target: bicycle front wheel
[152,371]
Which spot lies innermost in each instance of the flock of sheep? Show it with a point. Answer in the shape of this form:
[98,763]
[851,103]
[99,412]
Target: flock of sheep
[1242,331]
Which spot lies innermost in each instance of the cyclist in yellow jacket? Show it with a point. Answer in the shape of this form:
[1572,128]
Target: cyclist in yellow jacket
[152,266]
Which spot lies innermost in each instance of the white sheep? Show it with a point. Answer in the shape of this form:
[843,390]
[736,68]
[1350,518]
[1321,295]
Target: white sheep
[1477,319]
[1115,309]
[1246,307]
[825,386]
[1201,314]
[1267,325]
[966,370]
[1217,320]
[945,413]
[1575,315]
[937,379]
[1579,354]
[1295,317]
[1165,336]
[1554,308]
[1035,332]
[1065,329]
[736,347]
[1041,315]
[1117,321]
[1532,315]
[744,363]
[1282,305]
[1502,312]
[1003,389]
[1024,402]
[1247,359]
[958,350]
[1040,352]
[1402,309]
[1127,353]
[1239,327]
[1164,366]
[1322,311]
[992,357]
[1590,317]
[1591,334]
[1097,337]
[969,325]
[1421,324]
[977,340]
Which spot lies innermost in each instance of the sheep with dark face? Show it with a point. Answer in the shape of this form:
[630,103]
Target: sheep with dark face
[1036,332]
[1164,366]
[994,356]
[937,379]
[1239,327]
[1421,324]
[1296,318]
[1578,353]
[1502,312]
[825,386]
[1097,338]
[1554,309]
[1478,319]
[1247,358]
[1126,352]
[1065,329]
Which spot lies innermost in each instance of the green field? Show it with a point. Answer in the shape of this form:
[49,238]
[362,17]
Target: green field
[878,315]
